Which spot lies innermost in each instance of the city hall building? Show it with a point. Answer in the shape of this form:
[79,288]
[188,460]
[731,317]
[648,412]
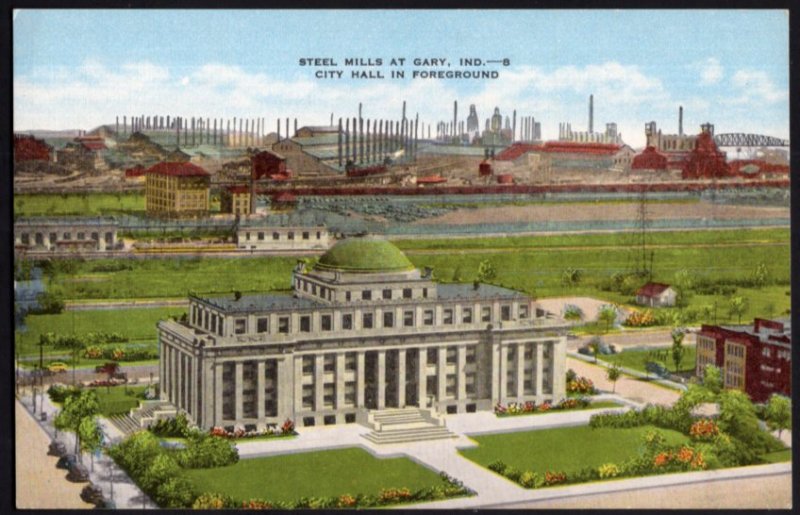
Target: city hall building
[363,330]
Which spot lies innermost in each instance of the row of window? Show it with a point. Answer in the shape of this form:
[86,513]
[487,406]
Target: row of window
[66,236]
[306,235]
[385,293]
[368,320]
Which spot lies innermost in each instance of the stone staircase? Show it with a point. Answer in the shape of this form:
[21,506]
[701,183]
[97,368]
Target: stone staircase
[141,417]
[401,425]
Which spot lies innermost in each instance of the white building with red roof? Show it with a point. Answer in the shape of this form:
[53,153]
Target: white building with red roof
[656,295]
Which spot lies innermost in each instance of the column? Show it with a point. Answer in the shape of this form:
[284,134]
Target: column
[298,383]
[173,379]
[381,371]
[503,372]
[207,406]
[162,372]
[286,383]
[495,372]
[422,377]
[441,373]
[558,370]
[462,374]
[340,380]
[539,367]
[238,380]
[218,394]
[360,385]
[520,370]
[401,378]
[194,362]
[260,385]
[319,380]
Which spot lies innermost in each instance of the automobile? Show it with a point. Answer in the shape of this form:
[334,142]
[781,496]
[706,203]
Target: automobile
[57,367]
[106,504]
[78,473]
[92,494]
[57,449]
[66,461]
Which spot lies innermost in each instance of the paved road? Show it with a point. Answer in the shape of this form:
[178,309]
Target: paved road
[766,492]
[628,387]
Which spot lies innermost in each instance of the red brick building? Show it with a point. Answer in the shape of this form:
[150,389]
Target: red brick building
[29,148]
[757,361]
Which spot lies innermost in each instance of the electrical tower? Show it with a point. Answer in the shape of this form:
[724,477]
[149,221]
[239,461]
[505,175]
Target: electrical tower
[641,266]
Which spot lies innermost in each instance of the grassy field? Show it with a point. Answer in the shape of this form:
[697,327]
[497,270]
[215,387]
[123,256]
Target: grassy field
[622,239]
[566,449]
[118,399]
[74,204]
[778,456]
[635,359]
[318,474]
[138,324]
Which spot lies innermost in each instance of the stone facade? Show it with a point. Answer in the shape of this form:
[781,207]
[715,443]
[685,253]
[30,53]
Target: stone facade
[262,237]
[350,340]
[65,235]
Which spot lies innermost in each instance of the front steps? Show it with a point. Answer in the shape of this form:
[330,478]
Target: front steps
[402,425]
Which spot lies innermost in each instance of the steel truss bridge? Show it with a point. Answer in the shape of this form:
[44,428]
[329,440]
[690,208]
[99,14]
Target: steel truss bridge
[738,139]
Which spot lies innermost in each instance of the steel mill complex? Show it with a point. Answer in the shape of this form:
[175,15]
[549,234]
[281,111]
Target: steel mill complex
[362,331]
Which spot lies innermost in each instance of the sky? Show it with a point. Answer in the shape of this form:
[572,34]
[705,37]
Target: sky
[77,69]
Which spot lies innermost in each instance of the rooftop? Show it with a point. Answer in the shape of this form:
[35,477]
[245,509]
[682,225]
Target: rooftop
[364,255]
[468,291]
[652,289]
[178,169]
[260,302]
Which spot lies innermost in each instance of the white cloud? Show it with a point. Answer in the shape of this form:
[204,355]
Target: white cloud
[711,71]
[756,88]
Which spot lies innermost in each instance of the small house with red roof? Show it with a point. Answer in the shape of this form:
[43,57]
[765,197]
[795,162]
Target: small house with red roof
[174,189]
[656,295]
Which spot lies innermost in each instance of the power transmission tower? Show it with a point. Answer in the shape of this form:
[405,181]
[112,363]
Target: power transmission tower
[642,223]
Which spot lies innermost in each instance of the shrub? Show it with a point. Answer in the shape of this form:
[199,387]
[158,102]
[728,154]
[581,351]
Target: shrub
[59,393]
[528,479]
[175,492]
[640,319]
[346,501]
[498,466]
[213,501]
[256,504]
[554,478]
[93,352]
[177,426]
[704,430]
[204,451]
[581,385]
[607,470]
[571,375]
[513,474]
[288,427]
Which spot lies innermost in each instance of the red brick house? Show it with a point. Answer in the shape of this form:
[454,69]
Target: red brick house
[757,361]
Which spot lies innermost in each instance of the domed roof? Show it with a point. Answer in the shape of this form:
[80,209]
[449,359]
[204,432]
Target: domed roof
[364,255]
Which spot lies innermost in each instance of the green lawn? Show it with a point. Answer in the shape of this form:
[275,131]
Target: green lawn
[566,449]
[318,474]
[138,324]
[778,456]
[78,204]
[118,399]
[636,359]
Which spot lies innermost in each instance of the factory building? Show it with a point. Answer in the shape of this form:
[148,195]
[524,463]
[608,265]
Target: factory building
[757,361]
[29,148]
[64,235]
[363,330]
[611,136]
[176,190]
[85,153]
[258,235]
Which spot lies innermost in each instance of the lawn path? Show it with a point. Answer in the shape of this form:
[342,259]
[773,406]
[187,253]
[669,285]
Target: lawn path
[628,387]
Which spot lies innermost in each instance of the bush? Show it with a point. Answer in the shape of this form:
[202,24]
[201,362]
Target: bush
[59,393]
[175,492]
[177,426]
[607,470]
[205,451]
[48,303]
[528,479]
[498,466]
[213,501]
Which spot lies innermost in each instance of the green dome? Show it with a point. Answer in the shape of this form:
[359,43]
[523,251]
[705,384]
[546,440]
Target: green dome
[364,255]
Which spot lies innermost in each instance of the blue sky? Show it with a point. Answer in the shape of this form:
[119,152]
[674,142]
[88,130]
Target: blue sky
[80,68]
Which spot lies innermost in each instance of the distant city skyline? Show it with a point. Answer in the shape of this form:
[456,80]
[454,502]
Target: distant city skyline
[76,69]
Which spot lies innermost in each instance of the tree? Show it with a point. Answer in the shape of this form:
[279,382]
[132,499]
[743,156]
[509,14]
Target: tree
[594,346]
[761,275]
[712,379]
[678,350]
[573,313]
[779,413]
[486,271]
[737,307]
[91,437]
[684,281]
[76,408]
[613,374]
[75,345]
[607,314]
[571,277]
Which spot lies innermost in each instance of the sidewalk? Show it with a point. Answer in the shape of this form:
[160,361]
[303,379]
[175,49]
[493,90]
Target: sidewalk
[126,494]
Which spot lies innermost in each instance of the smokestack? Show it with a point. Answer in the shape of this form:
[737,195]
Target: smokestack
[347,139]
[340,140]
[279,129]
[360,137]
[287,127]
[591,113]
[455,116]
[331,119]
[680,120]
[404,109]
[295,126]
[252,186]
[369,142]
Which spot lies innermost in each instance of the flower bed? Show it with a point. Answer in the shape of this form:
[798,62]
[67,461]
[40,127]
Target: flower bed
[117,353]
[530,407]
[581,386]
[238,433]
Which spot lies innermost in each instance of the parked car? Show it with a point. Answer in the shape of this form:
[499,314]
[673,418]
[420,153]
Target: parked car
[66,461]
[78,473]
[92,494]
[57,367]
[57,449]
[106,504]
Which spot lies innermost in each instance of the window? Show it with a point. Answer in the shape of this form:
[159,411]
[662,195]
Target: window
[433,356]
[262,325]
[523,311]
[505,313]
[276,236]
[329,362]
[366,295]
[347,296]
[240,325]
[387,294]
[95,237]
[308,421]
[388,319]
[283,325]
[214,323]
[305,324]
[308,365]
[313,289]
[26,239]
[349,418]
[425,293]
[81,235]
[427,317]
[350,361]
[406,293]
[447,316]
[247,236]
[290,235]
[326,321]
[466,315]
[305,235]
[408,318]
[329,419]
[366,321]
[486,314]
[53,237]
[766,352]
[347,321]
[261,236]
[319,235]
[470,357]
[67,235]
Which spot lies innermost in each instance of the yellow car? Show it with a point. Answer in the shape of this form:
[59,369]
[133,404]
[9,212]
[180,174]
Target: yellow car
[56,367]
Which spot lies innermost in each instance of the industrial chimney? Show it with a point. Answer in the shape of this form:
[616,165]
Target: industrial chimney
[680,120]
[591,114]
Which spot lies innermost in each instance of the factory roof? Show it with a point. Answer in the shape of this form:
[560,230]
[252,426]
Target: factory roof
[325,139]
[177,169]
[364,255]
[431,179]
[456,150]
[76,222]
[556,147]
